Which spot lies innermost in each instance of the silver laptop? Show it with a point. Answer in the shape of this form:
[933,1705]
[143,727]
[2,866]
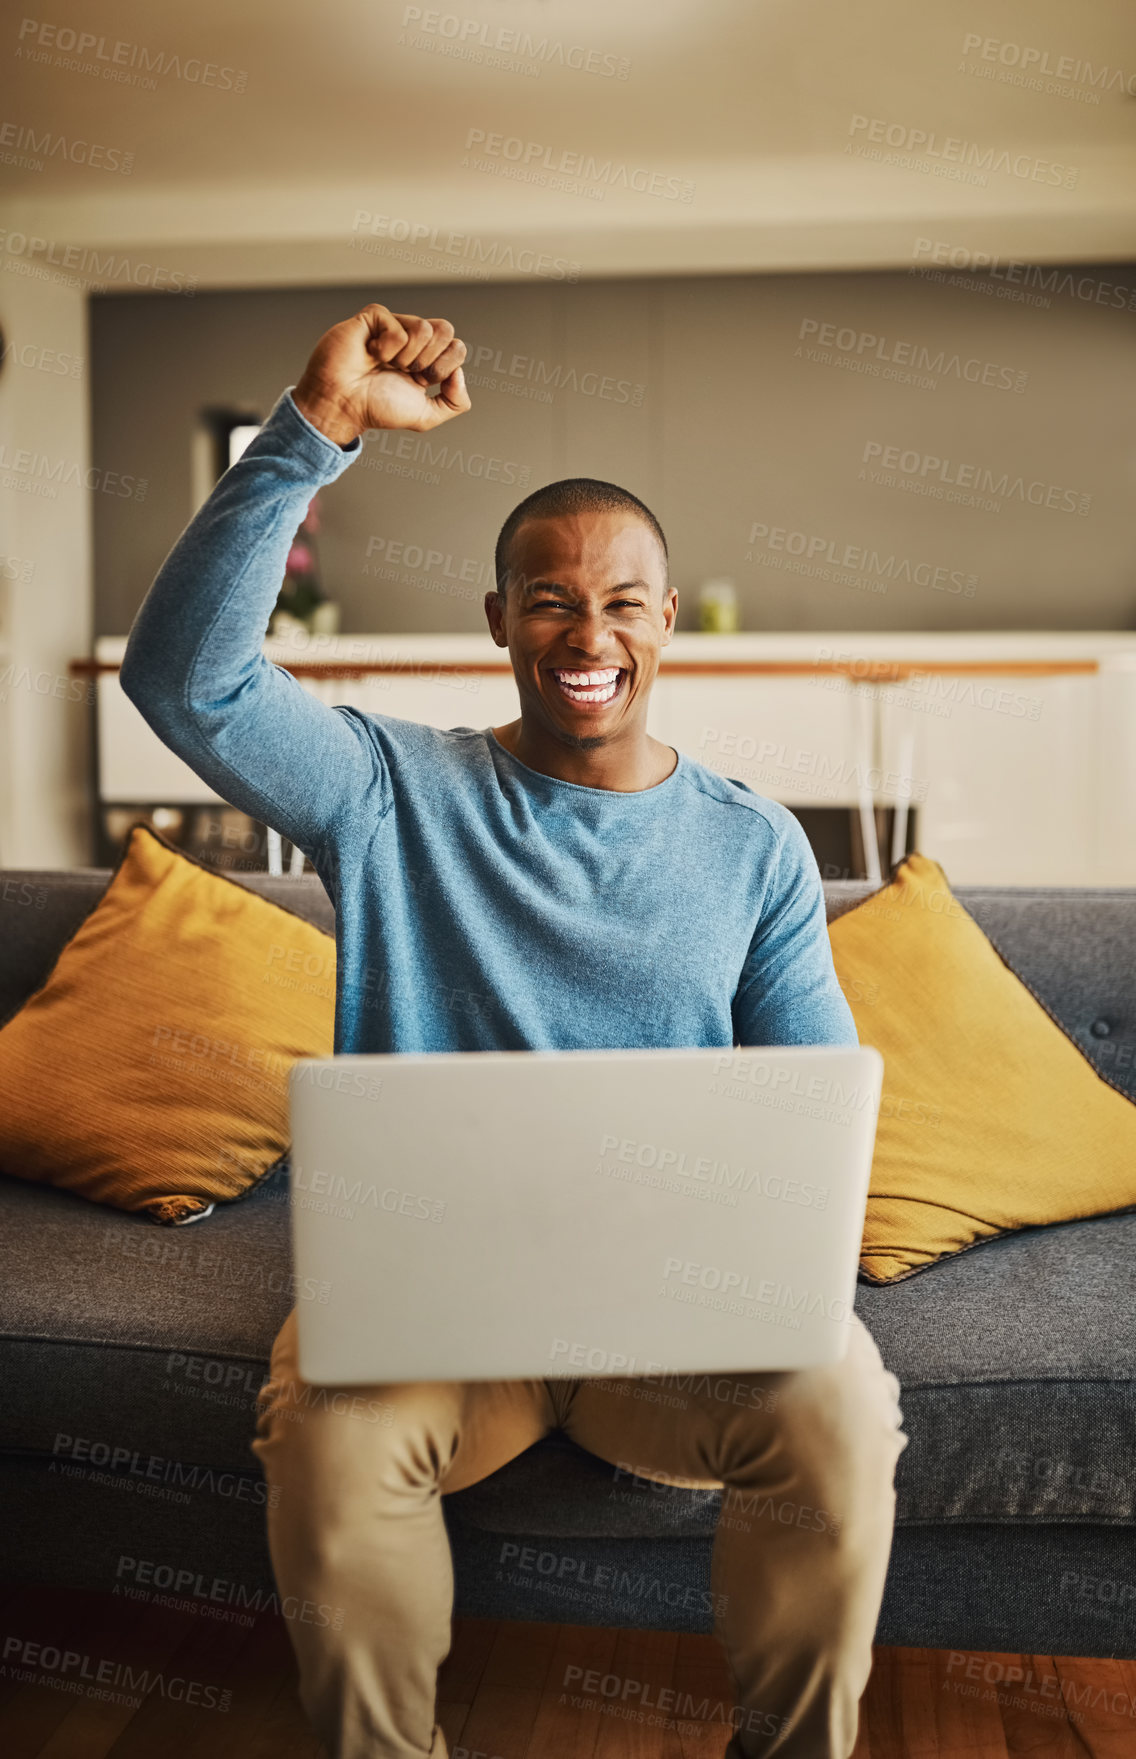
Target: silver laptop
[528,1214]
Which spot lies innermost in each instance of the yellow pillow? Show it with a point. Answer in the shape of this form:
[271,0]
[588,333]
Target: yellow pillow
[151,1070]
[991,1118]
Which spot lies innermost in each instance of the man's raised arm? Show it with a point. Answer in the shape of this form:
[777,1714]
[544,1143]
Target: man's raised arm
[193,664]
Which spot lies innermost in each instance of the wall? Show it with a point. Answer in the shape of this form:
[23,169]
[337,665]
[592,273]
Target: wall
[46,491]
[715,413]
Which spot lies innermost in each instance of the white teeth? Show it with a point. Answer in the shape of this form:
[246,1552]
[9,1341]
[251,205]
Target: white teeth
[598,693]
[588,686]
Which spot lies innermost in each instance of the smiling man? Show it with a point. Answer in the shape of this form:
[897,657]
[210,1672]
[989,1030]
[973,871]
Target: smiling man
[564,881]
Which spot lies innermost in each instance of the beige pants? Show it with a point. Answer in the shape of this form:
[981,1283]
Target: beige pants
[363,1566]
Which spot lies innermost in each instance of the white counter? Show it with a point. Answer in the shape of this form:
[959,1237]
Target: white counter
[1016,749]
[1013,645]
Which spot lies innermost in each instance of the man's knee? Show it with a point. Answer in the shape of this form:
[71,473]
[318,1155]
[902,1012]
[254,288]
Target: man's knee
[836,1439]
[841,1423]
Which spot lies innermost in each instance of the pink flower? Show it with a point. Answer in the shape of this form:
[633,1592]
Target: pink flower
[300,559]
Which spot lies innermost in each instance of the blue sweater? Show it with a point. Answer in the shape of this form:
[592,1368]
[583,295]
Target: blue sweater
[480,905]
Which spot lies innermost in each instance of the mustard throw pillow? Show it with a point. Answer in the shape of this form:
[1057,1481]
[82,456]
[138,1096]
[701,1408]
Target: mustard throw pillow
[150,1072]
[991,1118]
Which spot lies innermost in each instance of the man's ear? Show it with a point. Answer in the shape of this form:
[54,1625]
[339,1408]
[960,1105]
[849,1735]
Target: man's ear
[495,615]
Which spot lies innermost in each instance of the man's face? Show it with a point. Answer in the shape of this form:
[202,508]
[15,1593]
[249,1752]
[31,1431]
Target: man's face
[587,595]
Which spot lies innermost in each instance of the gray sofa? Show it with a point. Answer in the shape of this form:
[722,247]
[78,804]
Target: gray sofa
[131,1355]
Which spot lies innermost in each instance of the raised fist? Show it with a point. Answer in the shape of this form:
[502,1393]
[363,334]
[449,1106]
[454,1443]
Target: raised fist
[373,370]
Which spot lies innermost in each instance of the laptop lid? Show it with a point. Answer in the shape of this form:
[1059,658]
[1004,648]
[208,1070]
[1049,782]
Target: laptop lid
[504,1215]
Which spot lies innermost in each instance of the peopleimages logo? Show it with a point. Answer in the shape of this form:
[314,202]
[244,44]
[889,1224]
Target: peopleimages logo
[148,1573]
[953,153]
[20,137]
[1028,60]
[864,345]
[108,1462]
[94,1677]
[42,359]
[829,553]
[479,255]
[91,268]
[735,1287]
[668,1706]
[534,162]
[499,45]
[38,473]
[559,375]
[959,257]
[930,468]
[55,45]
[380,445]
[739,1177]
[817,772]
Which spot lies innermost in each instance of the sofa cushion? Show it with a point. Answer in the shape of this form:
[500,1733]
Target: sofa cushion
[131,1336]
[1071,947]
[1016,1365]
[1073,951]
[991,1118]
[40,909]
[150,1072]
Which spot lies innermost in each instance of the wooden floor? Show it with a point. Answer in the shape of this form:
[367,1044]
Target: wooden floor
[507,1692]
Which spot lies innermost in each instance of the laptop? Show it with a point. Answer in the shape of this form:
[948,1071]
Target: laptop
[512,1215]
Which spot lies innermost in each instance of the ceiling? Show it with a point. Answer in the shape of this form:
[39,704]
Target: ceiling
[710,135]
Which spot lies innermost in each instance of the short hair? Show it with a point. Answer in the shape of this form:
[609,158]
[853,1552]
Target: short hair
[574,494]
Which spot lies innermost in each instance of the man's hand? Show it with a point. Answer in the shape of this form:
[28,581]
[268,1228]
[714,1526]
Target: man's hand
[372,371]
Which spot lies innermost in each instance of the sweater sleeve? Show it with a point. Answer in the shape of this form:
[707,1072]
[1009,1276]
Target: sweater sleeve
[788,992]
[194,668]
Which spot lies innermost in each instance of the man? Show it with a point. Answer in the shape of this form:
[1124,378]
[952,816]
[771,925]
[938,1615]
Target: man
[576,884]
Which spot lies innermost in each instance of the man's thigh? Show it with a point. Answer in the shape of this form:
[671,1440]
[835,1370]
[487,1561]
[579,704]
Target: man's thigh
[453,1432]
[697,1429]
